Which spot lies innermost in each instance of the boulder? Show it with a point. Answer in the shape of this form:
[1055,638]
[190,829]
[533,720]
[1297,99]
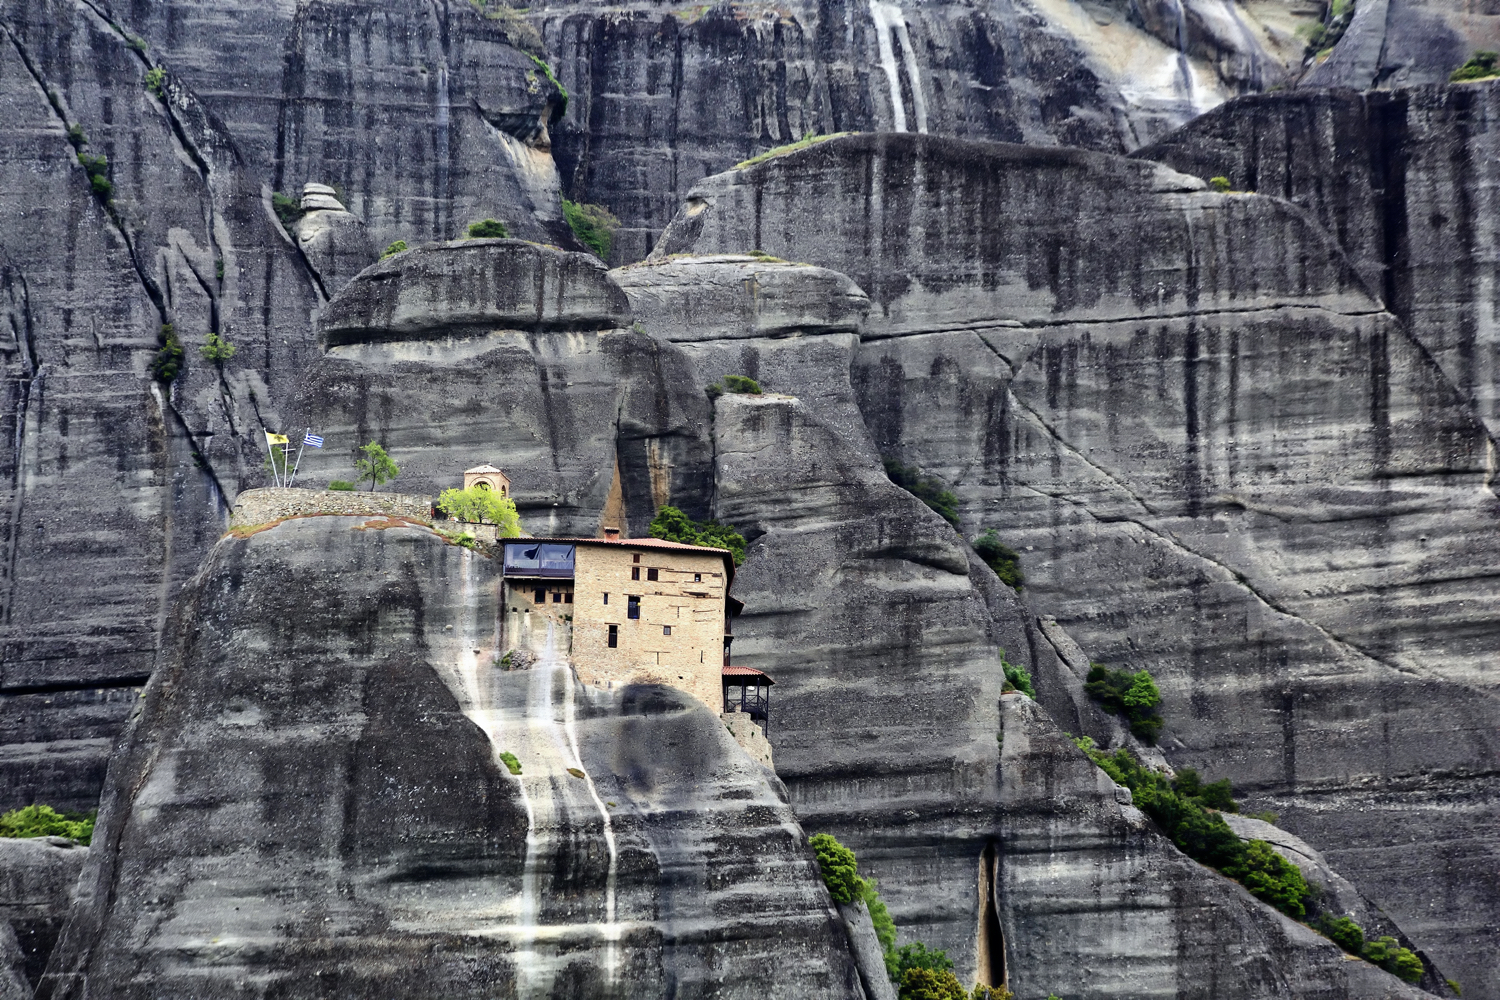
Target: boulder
[474,286]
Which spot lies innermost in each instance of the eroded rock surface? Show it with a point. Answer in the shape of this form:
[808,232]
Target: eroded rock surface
[339,660]
[1220,459]
[37,879]
[647,117]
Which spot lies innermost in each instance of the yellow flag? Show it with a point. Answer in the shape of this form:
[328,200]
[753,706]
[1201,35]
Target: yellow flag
[275,438]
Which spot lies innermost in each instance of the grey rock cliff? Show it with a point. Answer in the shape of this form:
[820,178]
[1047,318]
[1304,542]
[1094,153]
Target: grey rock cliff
[647,116]
[1187,412]
[332,660]
[37,880]
[1077,873]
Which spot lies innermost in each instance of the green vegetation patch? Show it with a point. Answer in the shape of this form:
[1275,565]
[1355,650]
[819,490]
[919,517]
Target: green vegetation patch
[1133,695]
[166,365]
[1005,561]
[671,525]
[397,247]
[1219,184]
[1187,811]
[512,764]
[478,505]
[341,486]
[217,349]
[791,147]
[376,465]
[594,225]
[1481,66]
[156,81]
[733,383]
[552,79]
[97,169]
[1016,678]
[44,821]
[288,209]
[928,489]
[488,229]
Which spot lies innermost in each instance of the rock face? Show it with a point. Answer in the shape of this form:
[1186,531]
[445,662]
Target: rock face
[522,356]
[37,878]
[1405,43]
[1397,178]
[1076,871]
[338,660]
[1186,437]
[647,118]
[116,484]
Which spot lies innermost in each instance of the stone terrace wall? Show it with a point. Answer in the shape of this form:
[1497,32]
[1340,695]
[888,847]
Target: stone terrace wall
[272,503]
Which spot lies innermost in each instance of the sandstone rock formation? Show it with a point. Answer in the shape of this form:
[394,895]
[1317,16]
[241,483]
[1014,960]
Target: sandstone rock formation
[335,660]
[37,879]
[647,118]
[1161,376]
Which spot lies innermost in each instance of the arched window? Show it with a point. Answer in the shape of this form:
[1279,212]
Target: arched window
[482,485]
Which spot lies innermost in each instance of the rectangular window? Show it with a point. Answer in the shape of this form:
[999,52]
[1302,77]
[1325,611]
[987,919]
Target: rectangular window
[606,598]
[557,597]
[632,606]
[568,597]
[614,636]
[651,574]
[637,557]
[697,577]
[635,572]
[666,630]
[539,596]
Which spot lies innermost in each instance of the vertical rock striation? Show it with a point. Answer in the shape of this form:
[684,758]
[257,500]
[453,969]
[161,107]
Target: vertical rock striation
[305,799]
[1220,459]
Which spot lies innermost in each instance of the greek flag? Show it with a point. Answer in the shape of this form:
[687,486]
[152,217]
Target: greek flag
[312,439]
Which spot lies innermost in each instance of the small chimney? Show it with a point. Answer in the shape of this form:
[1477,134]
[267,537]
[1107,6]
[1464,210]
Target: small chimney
[611,534]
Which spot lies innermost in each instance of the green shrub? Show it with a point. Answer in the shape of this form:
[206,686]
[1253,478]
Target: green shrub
[77,137]
[917,956]
[44,821]
[341,486]
[1133,695]
[1217,795]
[839,867]
[542,65]
[1265,816]
[393,249]
[1343,932]
[1004,561]
[927,984]
[376,465]
[734,383]
[1481,66]
[1387,953]
[1219,184]
[511,763]
[156,81]
[488,229]
[1201,833]
[287,208]
[925,488]
[671,525]
[840,872]
[1270,877]
[1453,985]
[167,364]
[982,992]
[482,506]
[594,225]
[97,169]
[1017,677]
[463,539]
[216,349]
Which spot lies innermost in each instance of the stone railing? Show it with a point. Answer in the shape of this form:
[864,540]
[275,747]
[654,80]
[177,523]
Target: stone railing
[273,503]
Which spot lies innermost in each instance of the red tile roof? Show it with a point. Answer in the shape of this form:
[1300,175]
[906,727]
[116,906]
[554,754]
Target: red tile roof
[747,672]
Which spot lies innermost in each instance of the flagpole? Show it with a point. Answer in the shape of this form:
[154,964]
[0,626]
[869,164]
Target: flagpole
[271,455]
[300,448]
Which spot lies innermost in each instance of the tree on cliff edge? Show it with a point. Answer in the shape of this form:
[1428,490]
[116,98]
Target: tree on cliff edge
[376,465]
